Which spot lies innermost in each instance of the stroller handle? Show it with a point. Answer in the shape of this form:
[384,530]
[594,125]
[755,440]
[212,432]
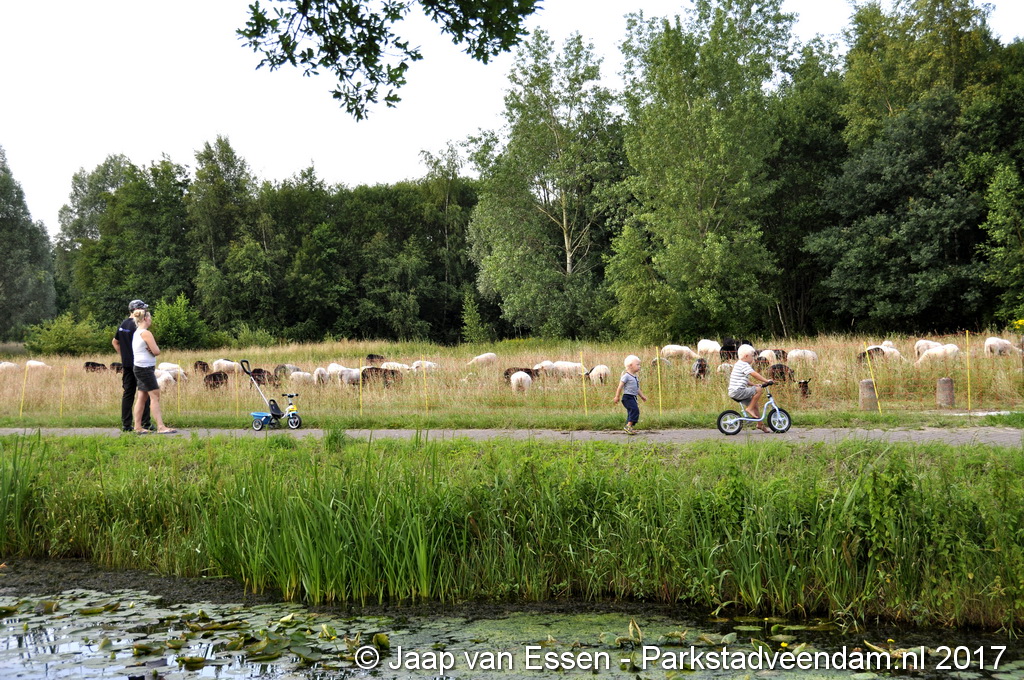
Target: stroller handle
[245,366]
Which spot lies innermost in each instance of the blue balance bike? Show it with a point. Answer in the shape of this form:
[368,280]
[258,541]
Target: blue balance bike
[731,422]
[272,419]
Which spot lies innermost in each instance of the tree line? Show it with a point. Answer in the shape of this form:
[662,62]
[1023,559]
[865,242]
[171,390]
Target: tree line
[741,183]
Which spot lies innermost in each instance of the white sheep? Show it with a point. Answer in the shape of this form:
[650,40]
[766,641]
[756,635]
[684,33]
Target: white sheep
[708,347]
[321,376]
[888,343]
[335,369]
[302,378]
[543,366]
[803,355]
[32,363]
[678,350]
[769,356]
[599,374]
[227,366]
[349,376]
[8,366]
[888,351]
[520,381]
[941,352]
[485,359]
[164,379]
[395,366]
[174,370]
[999,347]
[565,369]
[427,366]
[922,346]
[724,367]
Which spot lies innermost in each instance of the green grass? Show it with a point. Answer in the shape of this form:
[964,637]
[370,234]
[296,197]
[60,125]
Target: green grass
[929,534]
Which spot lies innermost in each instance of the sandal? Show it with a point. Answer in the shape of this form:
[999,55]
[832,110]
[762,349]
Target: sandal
[140,432]
[167,432]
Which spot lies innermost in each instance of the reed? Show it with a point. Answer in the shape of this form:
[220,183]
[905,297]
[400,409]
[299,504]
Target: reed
[460,396]
[852,530]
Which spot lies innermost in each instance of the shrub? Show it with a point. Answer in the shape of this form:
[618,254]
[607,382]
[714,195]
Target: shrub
[64,335]
[252,337]
[177,325]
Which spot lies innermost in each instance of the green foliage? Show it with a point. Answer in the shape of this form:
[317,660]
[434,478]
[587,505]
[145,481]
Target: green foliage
[473,328]
[355,41]
[64,335]
[246,336]
[1005,248]
[178,325]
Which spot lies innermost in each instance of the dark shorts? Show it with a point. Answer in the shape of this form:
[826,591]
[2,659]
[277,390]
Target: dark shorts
[744,395]
[632,408]
[146,377]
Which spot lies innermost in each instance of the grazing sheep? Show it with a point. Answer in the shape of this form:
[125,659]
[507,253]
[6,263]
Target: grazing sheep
[201,367]
[760,363]
[999,347]
[520,381]
[803,355]
[565,369]
[173,369]
[262,376]
[285,370]
[93,367]
[533,373]
[875,352]
[942,352]
[349,376]
[395,366]
[780,373]
[922,346]
[699,370]
[227,366]
[541,367]
[888,343]
[302,378]
[781,355]
[8,366]
[768,355]
[427,366]
[730,347]
[215,380]
[678,350]
[32,363]
[377,374]
[708,347]
[164,379]
[658,360]
[724,367]
[374,359]
[321,376]
[599,374]
[485,359]
[805,389]
[117,367]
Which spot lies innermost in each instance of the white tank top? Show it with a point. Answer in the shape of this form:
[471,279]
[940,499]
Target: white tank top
[143,357]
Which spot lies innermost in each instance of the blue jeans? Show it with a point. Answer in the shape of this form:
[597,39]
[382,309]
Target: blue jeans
[632,408]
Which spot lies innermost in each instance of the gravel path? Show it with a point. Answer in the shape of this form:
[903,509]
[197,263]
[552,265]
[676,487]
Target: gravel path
[992,436]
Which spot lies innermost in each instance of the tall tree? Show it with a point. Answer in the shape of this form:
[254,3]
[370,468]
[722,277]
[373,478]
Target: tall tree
[220,200]
[26,269]
[355,40]
[699,142]
[1005,248]
[538,229]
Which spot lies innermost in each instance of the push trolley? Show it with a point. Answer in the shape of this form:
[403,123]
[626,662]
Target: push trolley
[731,422]
[262,419]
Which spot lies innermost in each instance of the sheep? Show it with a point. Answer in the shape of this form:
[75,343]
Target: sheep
[262,376]
[375,373]
[164,379]
[729,347]
[215,380]
[760,363]
[724,367]
[678,350]
[780,373]
[708,347]
[94,367]
[888,343]
[321,376]
[803,355]
[173,369]
[781,354]
[542,366]
[8,366]
[922,346]
[395,366]
[875,352]
[117,367]
[301,378]
[659,360]
[599,374]
[999,347]
[565,369]
[533,373]
[32,363]
[427,366]
[349,376]
[201,367]
[805,389]
[285,370]
[520,381]
[700,368]
[227,366]
[485,359]
[374,359]
[768,355]
[949,351]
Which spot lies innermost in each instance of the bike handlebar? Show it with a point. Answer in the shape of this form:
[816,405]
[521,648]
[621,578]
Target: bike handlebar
[245,366]
[768,383]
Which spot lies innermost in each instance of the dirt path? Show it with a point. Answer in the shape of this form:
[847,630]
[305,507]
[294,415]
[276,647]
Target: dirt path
[992,436]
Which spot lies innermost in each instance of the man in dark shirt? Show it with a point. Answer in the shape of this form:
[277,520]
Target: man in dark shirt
[122,343]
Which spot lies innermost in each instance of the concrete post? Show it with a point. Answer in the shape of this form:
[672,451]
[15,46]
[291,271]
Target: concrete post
[944,396]
[868,398]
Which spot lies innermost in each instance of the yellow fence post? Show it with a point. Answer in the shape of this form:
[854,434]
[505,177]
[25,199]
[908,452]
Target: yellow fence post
[63,378]
[871,369]
[968,349]
[360,391]
[583,379]
[423,367]
[24,384]
[657,360]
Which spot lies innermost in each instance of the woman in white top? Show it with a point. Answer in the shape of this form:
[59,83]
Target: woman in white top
[145,348]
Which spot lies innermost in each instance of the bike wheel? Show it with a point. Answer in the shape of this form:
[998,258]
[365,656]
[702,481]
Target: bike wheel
[779,420]
[729,422]
[257,424]
[294,421]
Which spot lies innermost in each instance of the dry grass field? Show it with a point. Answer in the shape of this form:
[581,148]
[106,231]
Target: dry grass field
[458,395]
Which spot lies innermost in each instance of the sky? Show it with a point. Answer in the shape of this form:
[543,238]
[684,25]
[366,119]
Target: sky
[85,80]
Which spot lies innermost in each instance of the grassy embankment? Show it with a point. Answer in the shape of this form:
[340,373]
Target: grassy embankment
[459,396]
[928,534]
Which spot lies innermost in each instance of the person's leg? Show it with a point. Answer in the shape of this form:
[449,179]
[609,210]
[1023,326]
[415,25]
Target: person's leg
[140,400]
[754,401]
[128,386]
[154,399]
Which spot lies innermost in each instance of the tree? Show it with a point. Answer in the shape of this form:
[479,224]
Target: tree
[699,141]
[356,41]
[1005,249]
[26,269]
[538,228]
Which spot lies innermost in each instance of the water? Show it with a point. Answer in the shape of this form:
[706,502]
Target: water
[130,634]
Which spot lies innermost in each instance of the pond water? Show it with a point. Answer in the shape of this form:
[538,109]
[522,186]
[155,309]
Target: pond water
[132,634]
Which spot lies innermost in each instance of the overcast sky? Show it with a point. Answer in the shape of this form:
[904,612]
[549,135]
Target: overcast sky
[84,80]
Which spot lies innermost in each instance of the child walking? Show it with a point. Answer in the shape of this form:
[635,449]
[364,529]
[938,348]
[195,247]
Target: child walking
[628,391]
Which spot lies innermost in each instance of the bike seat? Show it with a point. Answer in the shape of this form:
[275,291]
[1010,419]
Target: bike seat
[275,410]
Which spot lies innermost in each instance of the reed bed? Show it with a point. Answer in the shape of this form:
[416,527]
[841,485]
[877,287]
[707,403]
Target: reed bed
[457,395]
[855,530]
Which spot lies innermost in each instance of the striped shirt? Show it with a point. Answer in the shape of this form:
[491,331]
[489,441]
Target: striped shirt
[630,384]
[738,378]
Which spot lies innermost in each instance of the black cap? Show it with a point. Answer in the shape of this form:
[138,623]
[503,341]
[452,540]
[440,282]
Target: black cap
[137,304]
